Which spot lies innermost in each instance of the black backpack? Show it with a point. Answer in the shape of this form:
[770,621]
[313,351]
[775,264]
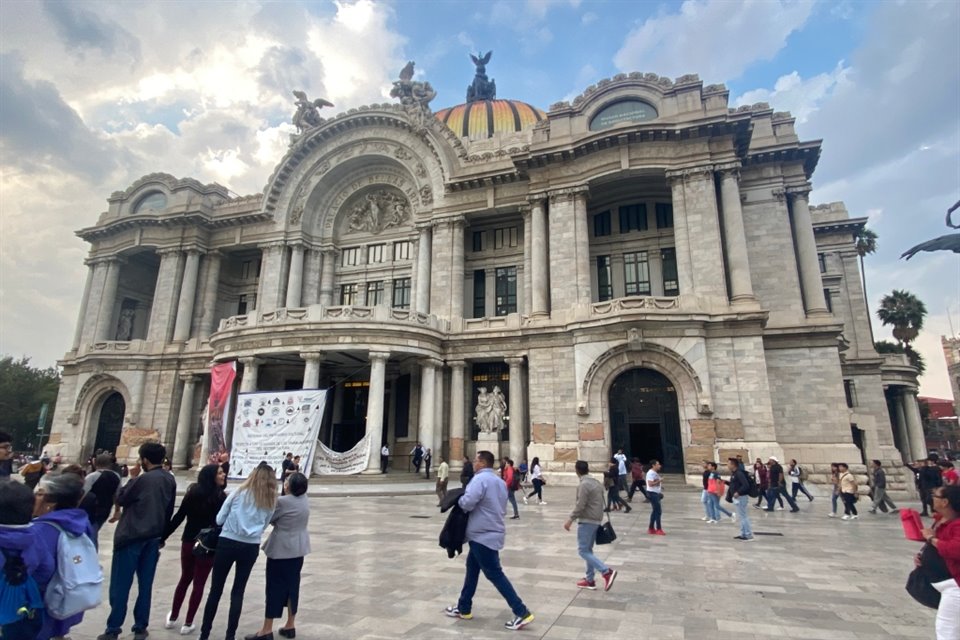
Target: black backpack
[754,490]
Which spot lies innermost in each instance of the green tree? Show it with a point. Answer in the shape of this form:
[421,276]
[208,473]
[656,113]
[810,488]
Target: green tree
[23,392]
[866,242]
[905,313]
[885,346]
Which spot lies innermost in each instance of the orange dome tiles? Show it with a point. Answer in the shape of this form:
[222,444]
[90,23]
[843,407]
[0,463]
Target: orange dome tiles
[481,119]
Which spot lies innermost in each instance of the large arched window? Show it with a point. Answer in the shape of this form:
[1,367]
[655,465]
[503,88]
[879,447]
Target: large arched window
[629,110]
[155,201]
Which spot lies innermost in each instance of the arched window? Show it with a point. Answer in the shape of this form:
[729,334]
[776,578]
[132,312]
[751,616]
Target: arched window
[155,201]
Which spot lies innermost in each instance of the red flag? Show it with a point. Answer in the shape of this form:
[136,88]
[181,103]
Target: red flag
[221,384]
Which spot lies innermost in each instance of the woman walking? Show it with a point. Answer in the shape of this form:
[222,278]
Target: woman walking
[760,477]
[199,508]
[945,537]
[835,494]
[243,516]
[611,480]
[288,543]
[537,479]
[848,492]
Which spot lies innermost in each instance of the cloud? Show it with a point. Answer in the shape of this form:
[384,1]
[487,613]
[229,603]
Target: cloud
[82,30]
[715,38]
[588,18]
[796,95]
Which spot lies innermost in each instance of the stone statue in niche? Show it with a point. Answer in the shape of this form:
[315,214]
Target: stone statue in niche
[307,114]
[490,410]
[378,211]
[125,324]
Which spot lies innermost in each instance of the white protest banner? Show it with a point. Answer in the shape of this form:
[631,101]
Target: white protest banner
[330,462]
[268,424]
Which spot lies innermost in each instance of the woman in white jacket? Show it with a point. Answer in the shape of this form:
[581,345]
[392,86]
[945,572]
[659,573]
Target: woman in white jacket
[537,477]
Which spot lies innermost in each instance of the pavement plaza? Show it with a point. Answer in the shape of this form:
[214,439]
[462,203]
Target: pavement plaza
[377,572]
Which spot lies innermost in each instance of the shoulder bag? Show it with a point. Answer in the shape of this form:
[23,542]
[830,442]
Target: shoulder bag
[920,581]
[205,544]
[605,533]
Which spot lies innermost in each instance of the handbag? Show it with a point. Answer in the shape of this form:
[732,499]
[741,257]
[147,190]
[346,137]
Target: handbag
[605,533]
[920,581]
[205,544]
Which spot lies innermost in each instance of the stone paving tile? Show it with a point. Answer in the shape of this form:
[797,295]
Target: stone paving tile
[377,574]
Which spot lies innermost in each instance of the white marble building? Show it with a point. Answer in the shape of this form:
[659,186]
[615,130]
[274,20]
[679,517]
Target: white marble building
[640,268]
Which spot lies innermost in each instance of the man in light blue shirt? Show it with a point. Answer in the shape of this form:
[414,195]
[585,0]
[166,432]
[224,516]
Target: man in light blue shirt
[485,500]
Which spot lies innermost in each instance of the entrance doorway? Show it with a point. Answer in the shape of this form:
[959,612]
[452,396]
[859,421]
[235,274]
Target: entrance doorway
[110,423]
[644,418]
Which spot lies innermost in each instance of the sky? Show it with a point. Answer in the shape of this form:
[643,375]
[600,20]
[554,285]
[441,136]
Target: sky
[94,95]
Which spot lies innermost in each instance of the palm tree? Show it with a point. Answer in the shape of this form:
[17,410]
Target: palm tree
[866,241]
[905,312]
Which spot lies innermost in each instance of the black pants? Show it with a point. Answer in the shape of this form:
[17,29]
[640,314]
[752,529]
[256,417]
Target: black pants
[537,489]
[849,504]
[926,499]
[229,552]
[637,485]
[384,461]
[283,586]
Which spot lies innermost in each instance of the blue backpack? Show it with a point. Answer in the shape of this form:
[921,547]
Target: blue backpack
[77,584]
[19,594]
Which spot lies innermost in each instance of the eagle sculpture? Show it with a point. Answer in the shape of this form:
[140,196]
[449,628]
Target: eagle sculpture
[949,242]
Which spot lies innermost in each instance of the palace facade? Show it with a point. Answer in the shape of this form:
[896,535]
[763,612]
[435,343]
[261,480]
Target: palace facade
[639,268]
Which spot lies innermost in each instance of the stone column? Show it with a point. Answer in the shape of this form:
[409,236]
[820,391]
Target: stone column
[918,443]
[272,281]
[681,238]
[518,435]
[311,370]
[251,367]
[456,414]
[311,277]
[527,261]
[424,258]
[165,295]
[188,294]
[735,238]
[105,328]
[540,283]
[295,278]
[456,272]
[182,442]
[378,377]
[582,241]
[901,425]
[82,315]
[807,261]
[326,276]
[211,289]
[425,431]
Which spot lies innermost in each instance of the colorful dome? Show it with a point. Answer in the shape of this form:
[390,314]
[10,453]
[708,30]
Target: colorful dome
[481,119]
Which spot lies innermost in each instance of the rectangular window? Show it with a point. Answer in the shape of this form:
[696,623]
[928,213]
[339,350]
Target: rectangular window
[850,391]
[479,293]
[633,217]
[822,259]
[506,237]
[246,269]
[348,294]
[664,215]
[478,241]
[375,253]
[350,257]
[636,274]
[506,279]
[601,224]
[514,236]
[826,298]
[401,293]
[604,281]
[241,305]
[374,293]
[401,250]
[671,283]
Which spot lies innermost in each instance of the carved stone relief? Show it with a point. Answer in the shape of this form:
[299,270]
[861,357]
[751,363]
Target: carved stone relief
[377,211]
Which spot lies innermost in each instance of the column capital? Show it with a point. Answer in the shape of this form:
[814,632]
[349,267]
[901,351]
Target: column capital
[273,245]
[568,193]
[312,355]
[189,378]
[801,192]
[431,363]
[457,364]
[780,194]
[250,361]
[214,253]
[425,225]
[515,361]
[525,210]
[686,174]
[92,262]
[730,173]
[193,251]
[378,355]
[537,199]
[296,244]
[166,251]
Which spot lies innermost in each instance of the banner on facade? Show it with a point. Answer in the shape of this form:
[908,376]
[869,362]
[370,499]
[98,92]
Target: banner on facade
[330,462]
[271,423]
[218,406]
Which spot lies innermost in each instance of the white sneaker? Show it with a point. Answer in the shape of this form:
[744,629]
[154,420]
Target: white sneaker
[187,629]
[525,500]
[779,508]
[542,503]
[845,517]
[831,515]
[169,623]
[854,517]
[704,518]
[711,522]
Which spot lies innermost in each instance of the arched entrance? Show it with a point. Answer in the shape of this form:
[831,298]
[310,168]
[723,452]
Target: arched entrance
[110,423]
[644,418]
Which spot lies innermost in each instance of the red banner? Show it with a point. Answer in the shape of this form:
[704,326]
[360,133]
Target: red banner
[221,384]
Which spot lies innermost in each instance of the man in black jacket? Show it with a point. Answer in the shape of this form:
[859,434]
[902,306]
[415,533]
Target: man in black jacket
[777,486]
[147,502]
[928,479]
[738,492]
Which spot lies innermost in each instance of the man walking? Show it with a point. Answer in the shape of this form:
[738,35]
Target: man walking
[880,497]
[777,485]
[147,502]
[384,458]
[427,459]
[588,512]
[485,499]
[102,485]
[928,479]
[417,453]
[738,492]
[621,459]
[655,495]
[443,474]
[639,482]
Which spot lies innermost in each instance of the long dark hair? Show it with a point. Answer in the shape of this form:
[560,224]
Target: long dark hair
[206,485]
[535,463]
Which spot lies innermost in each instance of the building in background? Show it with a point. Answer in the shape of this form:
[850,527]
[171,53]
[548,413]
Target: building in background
[638,268]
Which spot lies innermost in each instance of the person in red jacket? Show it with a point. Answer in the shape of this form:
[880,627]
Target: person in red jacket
[945,536]
[512,480]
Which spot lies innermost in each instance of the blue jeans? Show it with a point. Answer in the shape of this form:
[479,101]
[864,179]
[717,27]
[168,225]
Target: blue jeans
[655,499]
[138,558]
[705,501]
[715,507]
[586,537]
[746,530]
[834,497]
[481,558]
[775,493]
[512,499]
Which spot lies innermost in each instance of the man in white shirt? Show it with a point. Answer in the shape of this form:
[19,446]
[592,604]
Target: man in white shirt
[621,459]
[384,458]
[655,494]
